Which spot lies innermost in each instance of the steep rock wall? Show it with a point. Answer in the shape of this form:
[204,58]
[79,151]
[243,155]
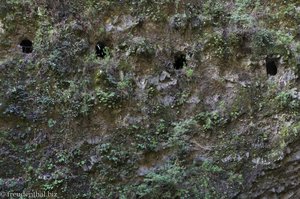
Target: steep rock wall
[133,125]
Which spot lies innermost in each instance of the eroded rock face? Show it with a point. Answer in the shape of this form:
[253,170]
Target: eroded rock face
[1,28]
[281,180]
[137,123]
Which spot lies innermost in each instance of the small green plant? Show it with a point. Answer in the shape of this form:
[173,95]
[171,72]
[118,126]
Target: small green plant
[218,44]
[214,11]
[209,119]
[151,91]
[189,72]
[49,186]
[124,84]
[164,183]
[239,15]
[263,42]
[180,129]
[107,99]
[162,127]
[209,167]
[288,99]
[51,123]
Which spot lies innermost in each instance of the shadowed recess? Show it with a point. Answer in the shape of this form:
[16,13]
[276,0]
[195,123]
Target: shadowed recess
[271,67]
[101,49]
[26,45]
[180,61]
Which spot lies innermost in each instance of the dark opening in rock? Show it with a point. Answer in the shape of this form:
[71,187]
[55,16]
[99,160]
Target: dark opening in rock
[271,66]
[64,85]
[101,49]
[26,45]
[180,61]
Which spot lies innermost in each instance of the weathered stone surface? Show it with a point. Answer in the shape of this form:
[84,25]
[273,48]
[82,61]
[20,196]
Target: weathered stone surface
[189,99]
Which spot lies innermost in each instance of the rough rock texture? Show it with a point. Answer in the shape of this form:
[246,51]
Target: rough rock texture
[179,104]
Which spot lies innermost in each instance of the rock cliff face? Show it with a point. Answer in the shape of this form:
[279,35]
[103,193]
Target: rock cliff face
[150,99]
